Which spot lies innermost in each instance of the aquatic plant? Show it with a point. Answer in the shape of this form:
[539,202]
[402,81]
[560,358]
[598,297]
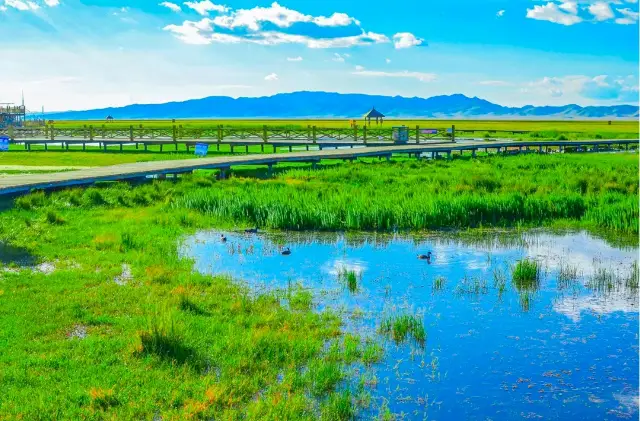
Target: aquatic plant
[350,278]
[631,281]
[472,286]
[400,328]
[525,300]
[567,275]
[498,191]
[525,275]
[438,283]
[499,281]
[604,280]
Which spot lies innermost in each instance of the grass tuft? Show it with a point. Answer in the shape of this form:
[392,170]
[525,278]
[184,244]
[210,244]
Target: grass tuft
[526,275]
[400,328]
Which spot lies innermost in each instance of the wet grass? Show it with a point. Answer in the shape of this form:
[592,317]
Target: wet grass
[607,280]
[168,342]
[567,276]
[403,327]
[525,275]
[438,284]
[596,192]
[214,350]
[350,279]
[472,286]
[499,281]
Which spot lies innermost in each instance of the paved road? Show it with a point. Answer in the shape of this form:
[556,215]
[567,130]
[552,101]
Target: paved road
[25,183]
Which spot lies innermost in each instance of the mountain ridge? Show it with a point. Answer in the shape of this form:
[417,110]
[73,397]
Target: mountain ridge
[314,104]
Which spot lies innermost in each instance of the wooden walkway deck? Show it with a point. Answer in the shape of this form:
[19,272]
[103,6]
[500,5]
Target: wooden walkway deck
[25,183]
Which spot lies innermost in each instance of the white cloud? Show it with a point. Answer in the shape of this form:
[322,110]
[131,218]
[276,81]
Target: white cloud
[52,3]
[279,16]
[630,17]
[500,13]
[174,7]
[570,7]
[552,13]
[21,5]
[205,6]
[3,8]
[602,87]
[294,58]
[340,57]
[568,12]
[271,77]
[406,40]
[201,32]
[422,77]
[192,32]
[337,19]
[250,26]
[601,11]
[359,68]
[388,61]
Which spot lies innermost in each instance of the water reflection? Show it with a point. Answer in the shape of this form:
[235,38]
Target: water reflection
[561,346]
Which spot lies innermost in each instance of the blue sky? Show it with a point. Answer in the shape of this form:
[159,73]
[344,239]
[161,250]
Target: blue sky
[79,54]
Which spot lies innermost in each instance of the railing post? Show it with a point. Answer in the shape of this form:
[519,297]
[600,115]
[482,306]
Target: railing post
[11,133]
[417,134]
[141,132]
[84,131]
[314,134]
[131,133]
[46,131]
[174,133]
[264,134]
[453,133]
[91,132]
[364,134]
[103,131]
[355,132]
[52,134]
[180,131]
[308,132]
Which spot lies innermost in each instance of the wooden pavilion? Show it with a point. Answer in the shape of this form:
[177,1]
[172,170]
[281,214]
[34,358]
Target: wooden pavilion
[374,114]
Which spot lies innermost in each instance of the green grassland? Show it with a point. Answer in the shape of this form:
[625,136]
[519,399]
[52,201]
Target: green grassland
[122,328]
[628,126]
[584,129]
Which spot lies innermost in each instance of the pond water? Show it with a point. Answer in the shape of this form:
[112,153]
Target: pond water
[565,347]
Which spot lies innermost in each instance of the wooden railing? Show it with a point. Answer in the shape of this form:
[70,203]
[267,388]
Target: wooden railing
[224,133]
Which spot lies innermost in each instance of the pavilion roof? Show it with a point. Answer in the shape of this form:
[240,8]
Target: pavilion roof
[374,114]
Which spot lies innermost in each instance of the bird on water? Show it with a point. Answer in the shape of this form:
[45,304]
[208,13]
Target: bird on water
[223,238]
[425,256]
[251,230]
[286,251]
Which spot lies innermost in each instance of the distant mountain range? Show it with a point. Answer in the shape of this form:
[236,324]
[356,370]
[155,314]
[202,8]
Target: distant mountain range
[335,105]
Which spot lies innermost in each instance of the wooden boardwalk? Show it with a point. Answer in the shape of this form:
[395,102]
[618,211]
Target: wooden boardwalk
[25,183]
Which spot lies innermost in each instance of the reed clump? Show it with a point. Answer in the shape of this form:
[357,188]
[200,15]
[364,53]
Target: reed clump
[497,191]
[403,327]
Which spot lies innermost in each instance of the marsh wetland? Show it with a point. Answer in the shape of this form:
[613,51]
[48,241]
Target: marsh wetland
[123,301]
[468,334]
